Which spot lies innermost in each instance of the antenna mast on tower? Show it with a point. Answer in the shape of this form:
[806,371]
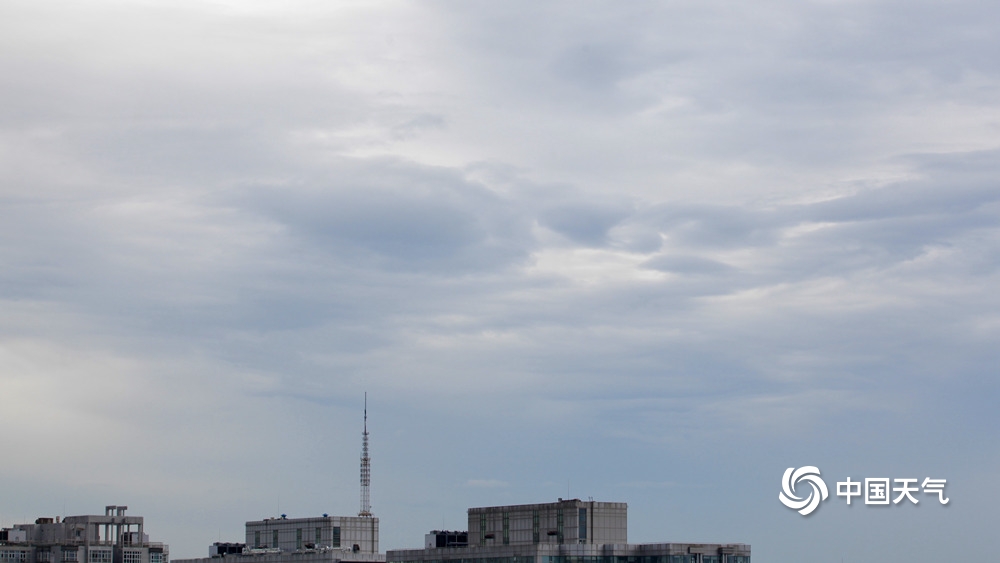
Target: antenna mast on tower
[366,469]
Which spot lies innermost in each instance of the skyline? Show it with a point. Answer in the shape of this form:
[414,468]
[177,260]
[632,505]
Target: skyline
[653,252]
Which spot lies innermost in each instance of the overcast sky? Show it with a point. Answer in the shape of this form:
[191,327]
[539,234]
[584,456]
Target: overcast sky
[649,252]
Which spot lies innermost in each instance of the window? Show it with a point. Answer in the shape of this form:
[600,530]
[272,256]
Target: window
[335,542]
[43,556]
[534,526]
[256,539]
[298,538]
[583,525]
[506,528]
[155,557]
[559,526]
[482,529]
[319,535]
[274,538]
[69,555]
[100,556]
[132,556]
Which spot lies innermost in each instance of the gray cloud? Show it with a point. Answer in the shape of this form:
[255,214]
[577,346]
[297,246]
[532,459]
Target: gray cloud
[586,224]
[402,217]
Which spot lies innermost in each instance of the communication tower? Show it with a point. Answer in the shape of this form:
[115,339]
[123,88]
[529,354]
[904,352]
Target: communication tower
[366,470]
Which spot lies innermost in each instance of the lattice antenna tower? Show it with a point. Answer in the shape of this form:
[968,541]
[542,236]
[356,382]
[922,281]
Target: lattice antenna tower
[366,469]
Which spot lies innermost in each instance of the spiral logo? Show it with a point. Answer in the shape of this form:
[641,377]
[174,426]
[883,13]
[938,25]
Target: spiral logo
[806,505]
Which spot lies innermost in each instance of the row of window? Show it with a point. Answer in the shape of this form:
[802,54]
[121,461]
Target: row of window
[334,539]
[68,556]
[535,530]
[526,559]
[685,558]
[71,556]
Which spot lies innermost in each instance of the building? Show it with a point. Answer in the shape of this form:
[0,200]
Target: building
[356,534]
[111,538]
[567,531]
[446,538]
[219,549]
[323,539]
[566,521]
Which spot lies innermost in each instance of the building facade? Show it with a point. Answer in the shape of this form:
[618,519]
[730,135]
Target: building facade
[323,539]
[446,538]
[111,538]
[563,522]
[567,531]
[354,533]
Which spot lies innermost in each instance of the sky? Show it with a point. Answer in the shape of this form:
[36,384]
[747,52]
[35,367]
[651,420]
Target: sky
[643,252]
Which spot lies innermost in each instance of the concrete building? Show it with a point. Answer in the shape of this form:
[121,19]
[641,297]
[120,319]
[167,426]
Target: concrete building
[446,538]
[567,531]
[566,521]
[356,534]
[111,538]
[323,539]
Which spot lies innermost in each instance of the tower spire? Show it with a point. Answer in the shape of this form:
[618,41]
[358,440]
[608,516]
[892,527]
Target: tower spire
[366,469]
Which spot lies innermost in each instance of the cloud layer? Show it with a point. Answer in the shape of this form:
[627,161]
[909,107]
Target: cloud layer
[652,253]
